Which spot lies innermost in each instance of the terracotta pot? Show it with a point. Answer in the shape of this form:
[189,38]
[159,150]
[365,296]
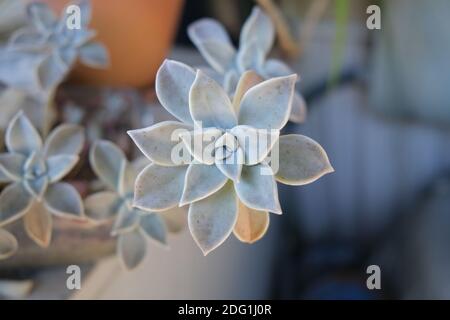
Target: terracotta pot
[138,35]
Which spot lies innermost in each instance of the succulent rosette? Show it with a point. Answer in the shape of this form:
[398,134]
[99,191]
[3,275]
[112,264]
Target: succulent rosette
[33,171]
[228,63]
[40,55]
[132,226]
[210,159]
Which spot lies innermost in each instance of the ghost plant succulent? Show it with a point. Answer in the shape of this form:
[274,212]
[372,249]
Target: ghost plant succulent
[131,225]
[33,171]
[223,158]
[8,244]
[40,55]
[228,64]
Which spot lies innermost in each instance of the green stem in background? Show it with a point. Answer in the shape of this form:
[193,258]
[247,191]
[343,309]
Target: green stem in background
[342,14]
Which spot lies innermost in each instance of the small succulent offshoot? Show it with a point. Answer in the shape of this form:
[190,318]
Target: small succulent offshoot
[33,171]
[225,187]
[228,64]
[132,226]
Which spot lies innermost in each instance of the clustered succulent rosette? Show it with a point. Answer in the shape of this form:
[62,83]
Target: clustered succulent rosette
[228,64]
[227,183]
[39,56]
[132,226]
[8,244]
[33,171]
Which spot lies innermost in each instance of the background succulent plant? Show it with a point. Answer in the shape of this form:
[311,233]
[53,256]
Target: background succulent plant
[132,226]
[40,55]
[228,64]
[34,170]
[8,244]
[223,195]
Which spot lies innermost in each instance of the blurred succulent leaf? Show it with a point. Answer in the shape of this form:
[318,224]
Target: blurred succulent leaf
[21,136]
[51,71]
[63,200]
[248,80]
[25,39]
[11,165]
[131,248]
[302,160]
[94,55]
[173,83]
[66,139]
[102,206]
[8,244]
[158,142]
[258,28]
[60,165]
[127,177]
[38,224]
[41,16]
[200,182]
[154,227]
[258,190]
[126,221]
[212,220]
[106,160]
[37,186]
[231,166]
[159,188]
[251,225]
[15,201]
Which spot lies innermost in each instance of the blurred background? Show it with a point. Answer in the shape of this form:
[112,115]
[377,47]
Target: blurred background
[379,104]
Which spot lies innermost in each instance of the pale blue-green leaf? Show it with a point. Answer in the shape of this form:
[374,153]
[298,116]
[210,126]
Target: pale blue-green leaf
[212,220]
[37,186]
[154,227]
[94,55]
[14,203]
[159,188]
[11,165]
[268,104]
[201,143]
[257,188]
[21,136]
[102,206]
[201,181]
[299,110]
[52,71]
[173,82]
[106,160]
[66,139]
[59,166]
[126,221]
[274,68]
[63,200]
[41,16]
[158,142]
[26,39]
[127,178]
[231,166]
[302,160]
[131,248]
[209,104]
[258,28]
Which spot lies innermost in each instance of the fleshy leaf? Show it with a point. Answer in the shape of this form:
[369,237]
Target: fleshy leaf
[101,206]
[128,175]
[250,57]
[51,71]
[231,166]
[302,160]
[209,104]
[201,181]
[131,248]
[38,224]
[11,165]
[201,143]
[268,104]
[66,139]
[212,220]
[276,68]
[94,55]
[15,201]
[213,42]
[41,16]
[256,143]
[299,110]
[25,39]
[158,141]
[8,244]
[106,160]
[159,188]
[259,29]
[248,80]
[257,188]
[63,200]
[127,220]
[154,227]
[37,186]
[173,82]
[251,225]
[21,136]
[59,166]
